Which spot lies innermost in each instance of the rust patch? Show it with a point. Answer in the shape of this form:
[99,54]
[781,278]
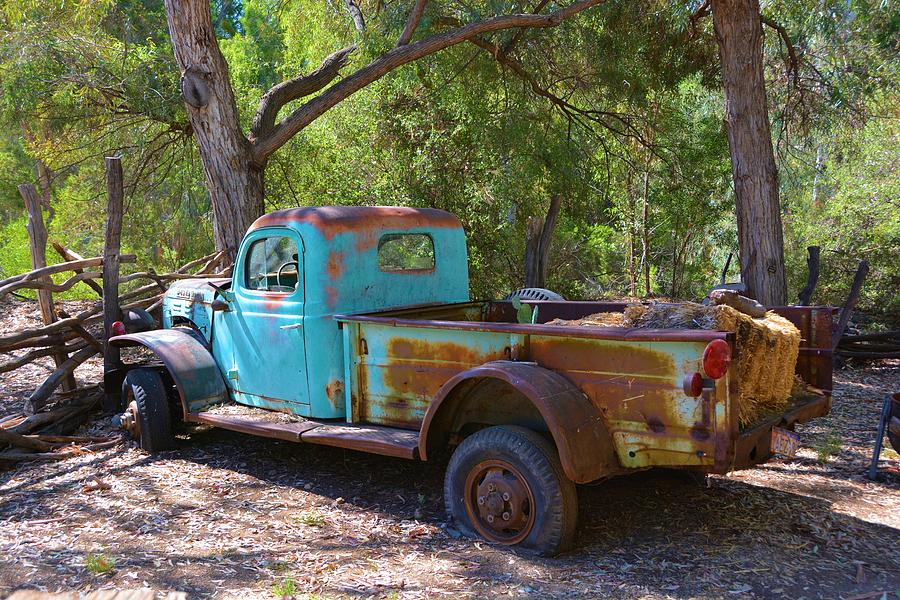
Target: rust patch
[656,425]
[336,267]
[334,390]
[416,371]
[568,354]
[331,296]
[334,220]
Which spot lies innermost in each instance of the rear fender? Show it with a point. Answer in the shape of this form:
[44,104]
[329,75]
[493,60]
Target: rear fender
[585,447]
[190,364]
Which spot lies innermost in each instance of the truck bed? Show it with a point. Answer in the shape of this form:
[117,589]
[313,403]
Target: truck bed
[397,361]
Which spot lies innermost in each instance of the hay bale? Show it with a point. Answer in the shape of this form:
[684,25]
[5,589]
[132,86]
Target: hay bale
[604,319]
[767,349]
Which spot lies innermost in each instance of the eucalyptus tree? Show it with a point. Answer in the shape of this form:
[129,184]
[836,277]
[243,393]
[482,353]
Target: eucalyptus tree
[235,162]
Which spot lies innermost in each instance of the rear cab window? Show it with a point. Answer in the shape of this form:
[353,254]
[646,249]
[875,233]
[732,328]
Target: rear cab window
[405,253]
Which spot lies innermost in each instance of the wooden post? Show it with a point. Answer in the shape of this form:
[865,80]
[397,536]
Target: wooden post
[812,263]
[37,235]
[111,247]
[850,304]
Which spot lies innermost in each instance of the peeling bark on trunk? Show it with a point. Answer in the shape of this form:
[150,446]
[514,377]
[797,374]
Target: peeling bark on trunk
[760,238]
[236,185]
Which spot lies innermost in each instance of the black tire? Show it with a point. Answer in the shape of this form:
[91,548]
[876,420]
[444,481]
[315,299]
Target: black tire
[146,388]
[530,457]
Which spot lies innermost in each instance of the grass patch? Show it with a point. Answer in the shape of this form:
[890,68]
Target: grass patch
[311,518]
[98,564]
[286,588]
[828,446]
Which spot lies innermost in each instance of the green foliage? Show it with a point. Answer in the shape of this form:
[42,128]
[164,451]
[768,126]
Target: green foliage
[828,446]
[311,518]
[637,99]
[99,563]
[286,588]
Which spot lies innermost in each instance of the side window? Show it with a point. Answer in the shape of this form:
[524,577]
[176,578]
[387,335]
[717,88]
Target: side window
[272,265]
[405,252]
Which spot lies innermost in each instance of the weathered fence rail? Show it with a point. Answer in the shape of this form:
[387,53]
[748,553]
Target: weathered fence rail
[73,339]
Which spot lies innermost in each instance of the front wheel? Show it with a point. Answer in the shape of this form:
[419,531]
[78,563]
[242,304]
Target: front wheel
[507,485]
[147,418]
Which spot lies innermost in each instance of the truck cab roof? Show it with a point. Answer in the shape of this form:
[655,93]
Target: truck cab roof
[368,258]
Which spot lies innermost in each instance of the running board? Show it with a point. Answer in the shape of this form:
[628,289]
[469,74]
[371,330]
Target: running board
[374,439]
[290,432]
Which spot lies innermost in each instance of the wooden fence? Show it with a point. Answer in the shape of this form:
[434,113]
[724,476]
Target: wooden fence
[72,339]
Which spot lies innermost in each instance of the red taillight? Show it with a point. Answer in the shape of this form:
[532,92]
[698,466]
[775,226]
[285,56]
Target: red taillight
[693,384]
[117,328]
[716,359]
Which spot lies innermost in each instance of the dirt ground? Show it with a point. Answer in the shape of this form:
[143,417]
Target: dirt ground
[231,516]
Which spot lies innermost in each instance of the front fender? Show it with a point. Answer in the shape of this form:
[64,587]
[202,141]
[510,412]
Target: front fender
[192,367]
[585,447]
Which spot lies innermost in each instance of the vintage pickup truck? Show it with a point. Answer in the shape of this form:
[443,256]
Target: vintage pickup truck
[353,327]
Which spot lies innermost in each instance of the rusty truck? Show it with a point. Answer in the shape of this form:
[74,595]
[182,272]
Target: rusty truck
[353,327]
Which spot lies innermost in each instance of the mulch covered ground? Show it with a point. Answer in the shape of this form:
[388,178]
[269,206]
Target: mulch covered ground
[230,516]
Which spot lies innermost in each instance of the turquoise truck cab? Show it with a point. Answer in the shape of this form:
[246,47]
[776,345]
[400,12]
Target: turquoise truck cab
[295,270]
[352,327]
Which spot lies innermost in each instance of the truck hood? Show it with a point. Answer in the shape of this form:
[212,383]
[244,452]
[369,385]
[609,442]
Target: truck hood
[195,290]
[187,302]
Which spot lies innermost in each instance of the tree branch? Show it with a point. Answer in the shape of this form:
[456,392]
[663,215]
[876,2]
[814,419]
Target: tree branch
[273,100]
[412,22]
[356,15]
[792,52]
[698,14]
[397,57]
[570,111]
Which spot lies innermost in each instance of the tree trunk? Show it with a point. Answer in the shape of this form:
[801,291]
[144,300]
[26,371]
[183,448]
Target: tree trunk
[760,238]
[539,235]
[236,184]
[645,231]
[632,237]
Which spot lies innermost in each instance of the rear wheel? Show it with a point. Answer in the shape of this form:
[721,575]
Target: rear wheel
[147,418]
[893,425]
[506,484]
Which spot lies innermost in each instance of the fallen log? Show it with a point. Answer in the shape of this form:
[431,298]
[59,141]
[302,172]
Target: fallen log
[36,354]
[862,354]
[51,419]
[870,337]
[743,304]
[15,439]
[73,439]
[8,456]
[39,397]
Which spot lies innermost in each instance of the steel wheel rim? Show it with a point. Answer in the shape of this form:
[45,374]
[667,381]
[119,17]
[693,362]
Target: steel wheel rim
[499,502]
[132,422]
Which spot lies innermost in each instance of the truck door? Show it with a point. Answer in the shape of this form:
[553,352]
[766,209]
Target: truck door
[265,323]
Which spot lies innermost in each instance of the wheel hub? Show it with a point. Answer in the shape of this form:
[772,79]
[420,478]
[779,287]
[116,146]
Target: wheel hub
[499,502]
[130,422]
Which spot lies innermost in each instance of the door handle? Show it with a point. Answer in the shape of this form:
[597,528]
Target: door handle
[294,326]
